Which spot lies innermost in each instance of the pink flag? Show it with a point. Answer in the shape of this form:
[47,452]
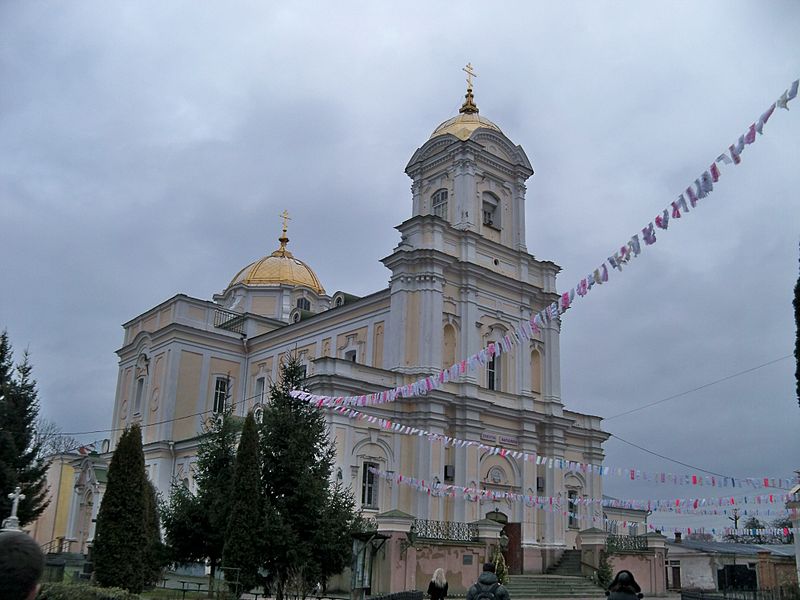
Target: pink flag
[692,196]
[662,221]
[750,136]
[735,155]
[714,172]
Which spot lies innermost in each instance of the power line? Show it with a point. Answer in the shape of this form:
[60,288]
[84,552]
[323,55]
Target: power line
[676,461]
[700,387]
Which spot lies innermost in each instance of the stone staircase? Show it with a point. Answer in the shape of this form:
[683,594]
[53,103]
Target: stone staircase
[569,564]
[522,587]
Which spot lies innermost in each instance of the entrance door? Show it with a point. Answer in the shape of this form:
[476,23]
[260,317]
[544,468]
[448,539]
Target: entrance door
[513,554]
[676,578]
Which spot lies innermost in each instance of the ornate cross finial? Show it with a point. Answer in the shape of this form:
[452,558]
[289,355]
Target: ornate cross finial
[470,74]
[286,218]
[12,522]
[469,107]
[283,239]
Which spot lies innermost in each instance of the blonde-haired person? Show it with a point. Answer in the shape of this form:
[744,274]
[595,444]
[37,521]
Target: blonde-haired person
[437,589]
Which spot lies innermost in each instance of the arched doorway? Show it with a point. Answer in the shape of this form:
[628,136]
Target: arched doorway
[513,532]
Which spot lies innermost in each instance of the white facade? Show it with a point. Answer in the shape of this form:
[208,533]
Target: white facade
[461,277]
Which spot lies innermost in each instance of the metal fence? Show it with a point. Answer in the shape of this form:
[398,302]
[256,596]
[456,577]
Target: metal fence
[626,543]
[227,319]
[414,595]
[782,593]
[452,531]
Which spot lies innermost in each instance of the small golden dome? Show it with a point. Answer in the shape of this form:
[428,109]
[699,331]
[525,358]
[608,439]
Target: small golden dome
[463,125]
[466,122]
[279,268]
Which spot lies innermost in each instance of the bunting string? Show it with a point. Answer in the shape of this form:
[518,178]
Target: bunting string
[687,200]
[569,465]
[552,505]
[677,505]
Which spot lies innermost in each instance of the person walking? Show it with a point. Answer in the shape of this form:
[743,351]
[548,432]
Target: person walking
[488,587]
[624,587]
[437,588]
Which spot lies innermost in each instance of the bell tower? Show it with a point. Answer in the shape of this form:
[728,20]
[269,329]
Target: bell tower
[467,228]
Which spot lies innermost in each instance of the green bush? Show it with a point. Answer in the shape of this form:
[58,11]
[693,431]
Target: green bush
[77,591]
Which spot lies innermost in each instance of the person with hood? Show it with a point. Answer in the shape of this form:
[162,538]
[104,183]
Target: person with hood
[624,587]
[488,587]
[437,588]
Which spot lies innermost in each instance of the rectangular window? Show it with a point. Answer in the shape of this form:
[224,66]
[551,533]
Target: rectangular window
[261,384]
[572,498]
[493,373]
[439,202]
[369,486]
[137,404]
[351,355]
[220,394]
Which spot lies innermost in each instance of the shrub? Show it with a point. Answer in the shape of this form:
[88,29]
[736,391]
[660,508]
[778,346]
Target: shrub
[77,591]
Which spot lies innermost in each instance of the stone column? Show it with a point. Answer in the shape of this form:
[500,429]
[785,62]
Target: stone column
[592,542]
[466,212]
[766,571]
[658,577]
[397,567]
[488,535]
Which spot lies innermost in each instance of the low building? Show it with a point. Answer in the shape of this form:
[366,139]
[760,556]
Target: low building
[709,566]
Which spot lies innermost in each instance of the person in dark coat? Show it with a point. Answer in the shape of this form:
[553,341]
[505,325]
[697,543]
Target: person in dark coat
[21,566]
[437,588]
[488,587]
[624,587]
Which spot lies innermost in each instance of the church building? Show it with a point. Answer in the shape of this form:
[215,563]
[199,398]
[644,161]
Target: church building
[461,277]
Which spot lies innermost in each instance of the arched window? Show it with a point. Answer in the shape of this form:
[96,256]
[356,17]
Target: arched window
[536,371]
[439,203]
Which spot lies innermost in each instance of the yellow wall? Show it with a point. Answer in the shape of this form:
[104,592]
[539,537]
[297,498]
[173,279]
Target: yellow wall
[188,391]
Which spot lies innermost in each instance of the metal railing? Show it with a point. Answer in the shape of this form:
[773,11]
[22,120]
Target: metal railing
[229,320]
[781,593]
[626,543]
[451,531]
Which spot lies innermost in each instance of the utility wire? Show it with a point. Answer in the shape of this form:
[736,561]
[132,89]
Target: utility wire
[700,387]
[676,461]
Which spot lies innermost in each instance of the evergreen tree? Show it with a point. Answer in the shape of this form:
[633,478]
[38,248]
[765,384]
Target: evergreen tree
[308,522]
[120,545]
[241,556]
[796,303]
[184,525]
[155,551]
[20,461]
[196,524]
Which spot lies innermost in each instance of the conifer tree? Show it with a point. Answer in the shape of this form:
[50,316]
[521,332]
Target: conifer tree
[120,545]
[796,303]
[155,551]
[241,556]
[196,524]
[20,461]
[308,522]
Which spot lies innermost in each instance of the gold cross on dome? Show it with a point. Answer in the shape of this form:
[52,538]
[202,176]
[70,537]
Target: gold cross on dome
[286,218]
[470,74]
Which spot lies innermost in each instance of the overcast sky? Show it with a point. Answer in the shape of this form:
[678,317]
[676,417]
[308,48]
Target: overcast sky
[147,148]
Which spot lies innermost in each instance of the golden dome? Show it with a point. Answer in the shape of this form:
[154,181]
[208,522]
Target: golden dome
[279,268]
[466,122]
[463,125]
